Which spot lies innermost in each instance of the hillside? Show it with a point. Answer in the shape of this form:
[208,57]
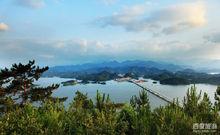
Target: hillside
[162,72]
[112,66]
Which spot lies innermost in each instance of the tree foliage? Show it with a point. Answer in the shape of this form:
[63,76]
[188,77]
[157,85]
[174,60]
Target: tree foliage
[84,116]
[100,116]
[17,85]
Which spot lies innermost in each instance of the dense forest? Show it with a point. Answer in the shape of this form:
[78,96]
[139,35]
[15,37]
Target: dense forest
[102,116]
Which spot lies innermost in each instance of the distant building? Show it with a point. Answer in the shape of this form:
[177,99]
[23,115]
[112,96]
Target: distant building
[123,79]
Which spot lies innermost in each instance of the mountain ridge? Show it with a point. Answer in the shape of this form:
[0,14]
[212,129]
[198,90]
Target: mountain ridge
[116,64]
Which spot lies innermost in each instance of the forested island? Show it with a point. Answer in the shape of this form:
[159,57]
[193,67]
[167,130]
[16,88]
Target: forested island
[164,73]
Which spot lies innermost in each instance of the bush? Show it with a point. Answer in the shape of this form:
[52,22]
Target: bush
[103,117]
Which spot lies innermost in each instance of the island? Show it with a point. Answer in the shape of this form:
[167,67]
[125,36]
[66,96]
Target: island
[70,82]
[101,75]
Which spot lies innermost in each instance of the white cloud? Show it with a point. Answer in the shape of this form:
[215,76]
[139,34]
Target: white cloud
[3,27]
[169,20]
[183,17]
[31,3]
[124,18]
[70,51]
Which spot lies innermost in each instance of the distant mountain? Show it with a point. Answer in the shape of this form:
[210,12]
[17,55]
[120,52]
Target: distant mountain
[111,65]
[162,72]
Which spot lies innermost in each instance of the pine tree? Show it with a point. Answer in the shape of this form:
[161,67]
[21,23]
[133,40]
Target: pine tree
[217,98]
[141,105]
[206,112]
[191,101]
[17,85]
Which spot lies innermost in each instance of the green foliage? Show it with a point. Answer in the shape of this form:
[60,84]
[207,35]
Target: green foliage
[127,119]
[206,111]
[104,115]
[79,115]
[171,119]
[143,113]
[217,98]
[22,121]
[17,85]
[191,101]
[198,107]
[83,116]
[51,117]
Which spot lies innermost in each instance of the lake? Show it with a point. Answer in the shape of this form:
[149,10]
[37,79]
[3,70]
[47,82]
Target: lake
[123,91]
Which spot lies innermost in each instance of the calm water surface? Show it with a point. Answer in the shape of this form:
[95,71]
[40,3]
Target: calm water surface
[122,91]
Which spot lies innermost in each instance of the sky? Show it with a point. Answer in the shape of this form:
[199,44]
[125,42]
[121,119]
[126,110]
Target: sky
[64,32]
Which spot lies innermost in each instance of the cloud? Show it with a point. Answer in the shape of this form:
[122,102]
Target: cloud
[31,3]
[125,18]
[183,17]
[213,37]
[3,27]
[54,52]
[57,52]
[168,20]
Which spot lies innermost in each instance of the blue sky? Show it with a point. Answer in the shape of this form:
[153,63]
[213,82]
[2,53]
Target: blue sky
[62,32]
